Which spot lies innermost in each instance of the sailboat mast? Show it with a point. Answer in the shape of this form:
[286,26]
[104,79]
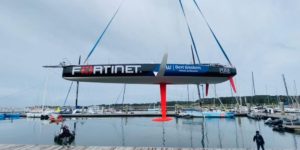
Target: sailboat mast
[286,89]
[284,81]
[45,92]
[253,85]
[123,97]
[77,86]
[253,88]
[268,96]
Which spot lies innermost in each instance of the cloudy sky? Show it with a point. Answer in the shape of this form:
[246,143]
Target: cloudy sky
[259,35]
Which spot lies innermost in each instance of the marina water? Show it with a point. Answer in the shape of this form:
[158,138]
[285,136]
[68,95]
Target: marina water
[141,131]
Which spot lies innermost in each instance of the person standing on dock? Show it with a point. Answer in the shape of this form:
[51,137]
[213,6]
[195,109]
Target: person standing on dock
[259,140]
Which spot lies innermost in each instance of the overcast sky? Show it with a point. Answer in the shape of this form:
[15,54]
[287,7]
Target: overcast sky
[259,35]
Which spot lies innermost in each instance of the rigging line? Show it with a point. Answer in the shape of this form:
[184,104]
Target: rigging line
[119,96]
[190,32]
[194,62]
[68,93]
[99,39]
[212,32]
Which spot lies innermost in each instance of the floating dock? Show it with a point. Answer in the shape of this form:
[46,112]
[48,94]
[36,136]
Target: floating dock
[170,114]
[56,147]
[113,115]
[276,116]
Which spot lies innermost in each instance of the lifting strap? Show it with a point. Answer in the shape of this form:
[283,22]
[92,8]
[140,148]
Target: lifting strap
[212,32]
[190,32]
[68,94]
[99,39]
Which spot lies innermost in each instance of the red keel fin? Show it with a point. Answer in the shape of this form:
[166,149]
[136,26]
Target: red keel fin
[163,97]
[206,89]
[232,84]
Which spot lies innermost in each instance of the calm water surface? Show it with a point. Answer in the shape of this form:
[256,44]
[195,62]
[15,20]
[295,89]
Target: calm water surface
[211,133]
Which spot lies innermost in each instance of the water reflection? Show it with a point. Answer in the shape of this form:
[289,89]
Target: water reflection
[241,131]
[203,134]
[163,135]
[123,122]
[197,132]
[219,133]
[295,142]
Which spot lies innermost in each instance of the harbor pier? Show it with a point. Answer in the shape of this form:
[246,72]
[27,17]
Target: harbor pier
[57,147]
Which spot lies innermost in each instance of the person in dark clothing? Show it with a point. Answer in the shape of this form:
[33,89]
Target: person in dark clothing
[259,140]
[64,131]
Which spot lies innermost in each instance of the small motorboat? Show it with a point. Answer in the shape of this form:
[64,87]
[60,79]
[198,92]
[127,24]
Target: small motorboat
[56,118]
[269,121]
[291,122]
[44,117]
[274,122]
[292,128]
[13,115]
[2,116]
[278,128]
[277,122]
[34,115]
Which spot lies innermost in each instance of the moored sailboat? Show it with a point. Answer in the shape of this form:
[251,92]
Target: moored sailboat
[205,114]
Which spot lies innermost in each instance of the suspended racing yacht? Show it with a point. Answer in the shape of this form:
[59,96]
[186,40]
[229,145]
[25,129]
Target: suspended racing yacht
[150,73]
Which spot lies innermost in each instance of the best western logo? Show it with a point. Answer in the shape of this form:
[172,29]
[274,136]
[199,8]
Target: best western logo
[106,69]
